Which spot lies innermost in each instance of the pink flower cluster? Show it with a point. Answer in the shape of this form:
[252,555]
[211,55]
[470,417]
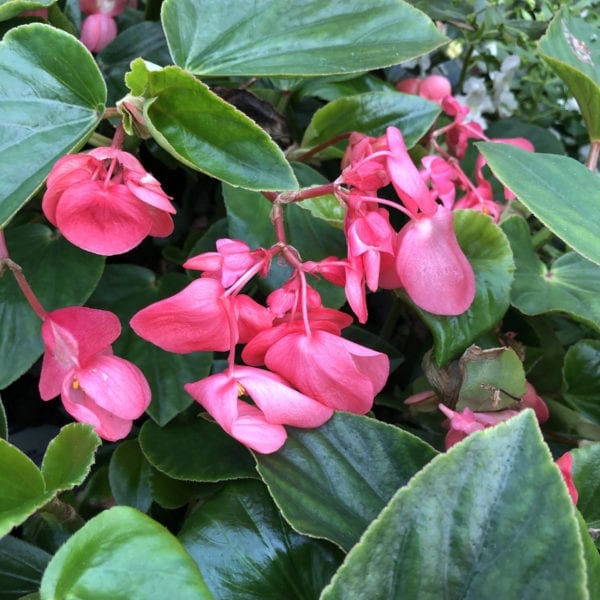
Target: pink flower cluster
[99,28]
[298,369]
[95,386]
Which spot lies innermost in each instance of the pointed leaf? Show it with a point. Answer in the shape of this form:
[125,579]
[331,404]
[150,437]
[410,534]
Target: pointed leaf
[21,567]
[331,482]
[472,524]
[122,554]
[571,284]
[570,48]
[581,375]
[129,476]
[246,550]
[278,38]
[69,457]
[558,190]
[49,107]
[60,275]
[488,251]
[372,113]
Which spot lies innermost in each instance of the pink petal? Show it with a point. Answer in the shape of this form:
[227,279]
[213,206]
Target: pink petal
[252,317]
[565,464]
[432,267]
[97,31]
[253,430]
[162,223]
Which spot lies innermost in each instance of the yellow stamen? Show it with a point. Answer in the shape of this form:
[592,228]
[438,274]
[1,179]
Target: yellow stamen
[241,390]
[75,384]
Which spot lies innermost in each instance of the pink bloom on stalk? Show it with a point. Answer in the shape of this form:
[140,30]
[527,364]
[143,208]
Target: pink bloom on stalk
[565,464]
[432,87]
[332,370]
[105,202]
[96,387]
[259,427]
[429,262]
[199,317]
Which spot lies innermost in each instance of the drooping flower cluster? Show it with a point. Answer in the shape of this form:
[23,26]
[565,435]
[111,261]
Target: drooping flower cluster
[95,386]
[310,369]
[104,201]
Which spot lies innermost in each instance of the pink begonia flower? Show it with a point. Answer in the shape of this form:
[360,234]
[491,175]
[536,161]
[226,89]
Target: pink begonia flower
[111,8]
[430,264]
[334,371]
[105,202]
[531,399]
[97,31]
[198,318]
[460,133]
[286,298]
[259,427]
[432,87]
[96,387]
[565,464]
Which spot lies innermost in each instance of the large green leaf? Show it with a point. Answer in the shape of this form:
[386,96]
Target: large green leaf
[125,289]
[206,133]
[69,457]
[571,284]
[280,38]
[13,8]
[331,482]
[196,450]
[489,253]
[51,99]
[372,113]
[558,190]
[129,476]
[586,477]
[21,567]
[246,550]
[581,375]
[570,47]
[60,275]
[473,524]
[119,555]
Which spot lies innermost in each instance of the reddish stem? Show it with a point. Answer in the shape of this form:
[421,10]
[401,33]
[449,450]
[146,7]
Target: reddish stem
[592,161]
[313,151]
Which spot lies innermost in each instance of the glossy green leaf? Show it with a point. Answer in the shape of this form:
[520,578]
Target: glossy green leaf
[22,488]
[60,275]
[125,289]
[571,284]
[49,107]
[21,567]
[247,551]
[372,113]
[489,253]
[13,8]
[558,190]
[129,476]
[3,422]
[206,133]
[473,524]
[175,493]
[196,450]
[119,555]
[586,477]
[331,482]
[581,375]
[282,39]
[69,457]
[570,424]
[570,47]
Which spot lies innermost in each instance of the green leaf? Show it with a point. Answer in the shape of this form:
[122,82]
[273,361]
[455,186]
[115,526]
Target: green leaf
[246,550]
[69,457]
[282,39]
[60,275]
[21,567]
[175,493]
[129,476]
[473,524]
[581,379]
[3,422]
[22,488]
[52,98]
[571,284]
[591,558]
[196,450]
[372,113]
[331,482]
[586,477]
[489,253]
[570,47]
[122,554]
[13,8]
[558,190]
[206,133]
[125,289]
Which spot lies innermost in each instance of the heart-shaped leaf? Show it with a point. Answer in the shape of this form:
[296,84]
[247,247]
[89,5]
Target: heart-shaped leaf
[558,190]
[279,38]
[49,107]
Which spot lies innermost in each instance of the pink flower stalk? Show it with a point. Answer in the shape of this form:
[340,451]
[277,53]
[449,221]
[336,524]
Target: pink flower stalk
[105,202]
[258,426]
[95,386]
[201,317]
[432,87]
[565,464]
